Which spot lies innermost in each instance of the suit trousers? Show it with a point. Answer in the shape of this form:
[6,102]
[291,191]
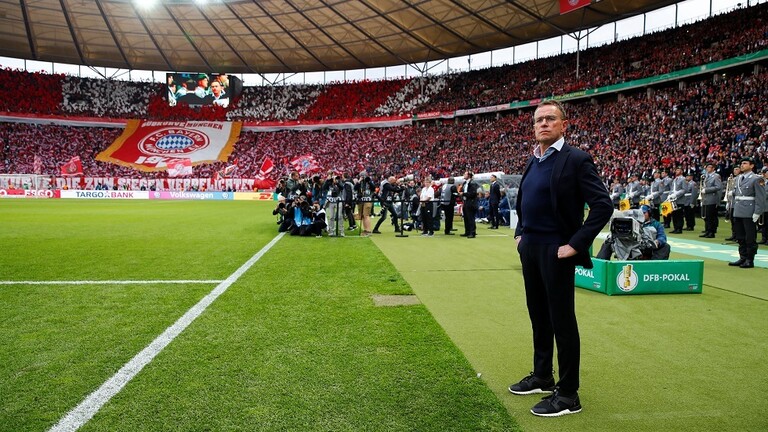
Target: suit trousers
[549,294]
[494,216]
[469,219]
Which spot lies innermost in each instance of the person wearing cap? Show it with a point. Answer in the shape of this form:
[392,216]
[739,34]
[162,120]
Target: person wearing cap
[633,191]
[748,206]
[677,194]
[201,90]
[710,198]
[617,190]
[764,225]
[654,196]
[665,191]
[732,179]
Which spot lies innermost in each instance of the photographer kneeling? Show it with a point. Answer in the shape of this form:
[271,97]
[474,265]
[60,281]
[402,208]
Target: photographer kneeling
[635,237]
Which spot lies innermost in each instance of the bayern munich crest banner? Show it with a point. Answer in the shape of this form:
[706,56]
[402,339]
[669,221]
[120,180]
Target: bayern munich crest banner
[148,145]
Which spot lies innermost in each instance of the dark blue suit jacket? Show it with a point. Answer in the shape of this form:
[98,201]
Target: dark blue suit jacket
[495,195]
[574,182]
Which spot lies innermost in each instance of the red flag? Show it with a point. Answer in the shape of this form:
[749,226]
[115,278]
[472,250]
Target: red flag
[305,164]
[262,181]
[571,5]
[179,167]
[73,167]
[266,167]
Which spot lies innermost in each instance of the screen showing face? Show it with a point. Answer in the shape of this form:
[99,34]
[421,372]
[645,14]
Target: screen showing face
[202,89]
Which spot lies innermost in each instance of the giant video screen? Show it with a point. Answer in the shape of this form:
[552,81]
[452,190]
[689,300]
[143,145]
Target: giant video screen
[202,89]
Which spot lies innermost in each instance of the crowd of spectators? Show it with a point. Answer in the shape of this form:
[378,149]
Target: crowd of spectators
[718,118]
[416,93]
[30,92]
[710,120]
[271,103]
[724,36]
[742,31]
[105,98]
[353,100]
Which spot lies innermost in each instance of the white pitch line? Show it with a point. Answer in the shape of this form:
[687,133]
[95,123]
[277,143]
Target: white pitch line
[110,282]
[80,415]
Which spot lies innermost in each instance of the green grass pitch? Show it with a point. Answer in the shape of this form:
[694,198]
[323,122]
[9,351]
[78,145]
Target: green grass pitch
[296,342]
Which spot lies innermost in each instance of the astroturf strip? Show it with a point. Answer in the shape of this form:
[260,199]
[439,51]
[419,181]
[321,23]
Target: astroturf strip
[735,292]
[83,412]
[111,282]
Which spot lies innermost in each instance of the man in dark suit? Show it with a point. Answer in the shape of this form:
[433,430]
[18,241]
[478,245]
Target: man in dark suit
[493,202]
[552,239]
[468,195]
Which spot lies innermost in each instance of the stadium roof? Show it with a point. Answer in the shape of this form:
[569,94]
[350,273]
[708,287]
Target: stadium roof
[271,36]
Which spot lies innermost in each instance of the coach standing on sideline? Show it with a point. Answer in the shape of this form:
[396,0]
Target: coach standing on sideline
[552,238]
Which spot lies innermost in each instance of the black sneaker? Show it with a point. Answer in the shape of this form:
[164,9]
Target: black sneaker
[533,384]
[556,405]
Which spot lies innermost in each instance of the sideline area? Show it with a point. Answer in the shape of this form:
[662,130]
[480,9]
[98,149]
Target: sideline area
[710,250]
[649,362]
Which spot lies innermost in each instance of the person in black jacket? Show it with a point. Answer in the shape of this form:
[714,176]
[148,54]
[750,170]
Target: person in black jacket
[493,202]
[468,195]
[348,197]
[552,239]
[388,194]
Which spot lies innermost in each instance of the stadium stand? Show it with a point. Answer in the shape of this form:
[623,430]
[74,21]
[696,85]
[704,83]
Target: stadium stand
[708,118]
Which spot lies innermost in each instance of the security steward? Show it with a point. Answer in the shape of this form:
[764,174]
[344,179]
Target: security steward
[748,206]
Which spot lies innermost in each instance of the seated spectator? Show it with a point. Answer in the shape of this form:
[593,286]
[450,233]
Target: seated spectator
[504,209]
[482,207]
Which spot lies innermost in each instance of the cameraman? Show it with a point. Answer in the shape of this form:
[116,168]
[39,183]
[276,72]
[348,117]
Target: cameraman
[294,186]
[365,189]
[318,224]
[652,244]
[281,211]
[388,193]
[333,204]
